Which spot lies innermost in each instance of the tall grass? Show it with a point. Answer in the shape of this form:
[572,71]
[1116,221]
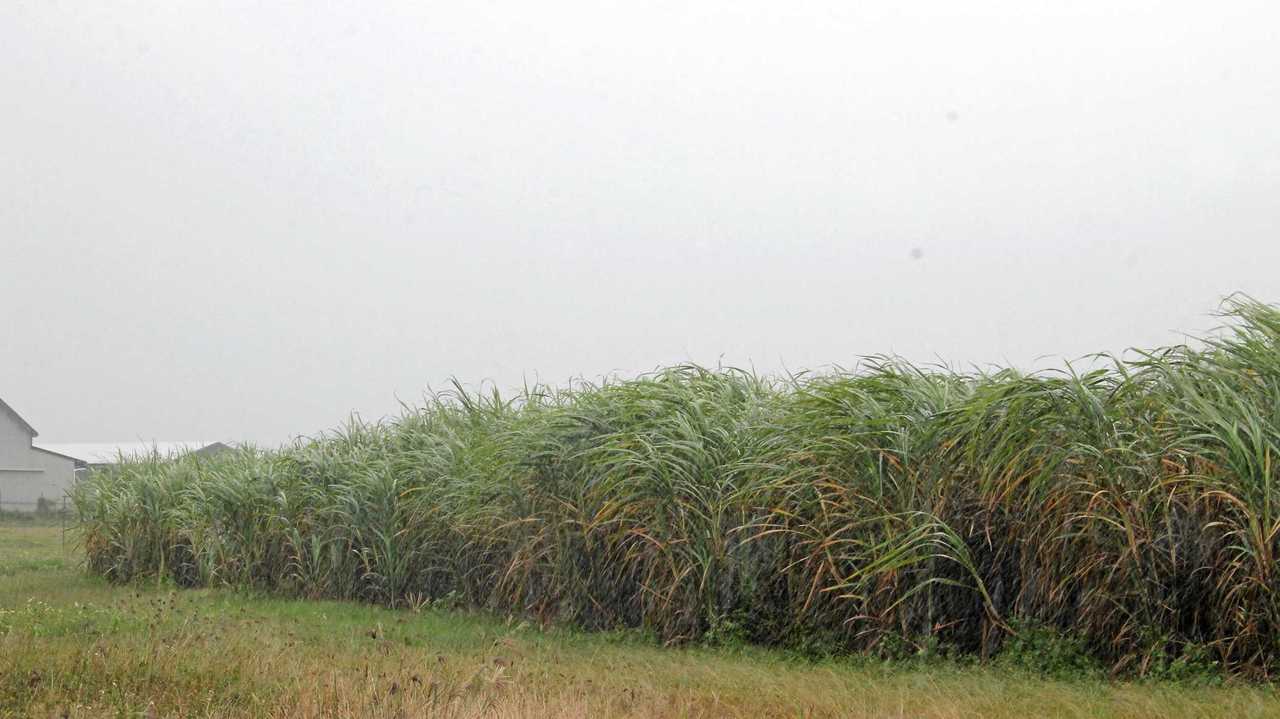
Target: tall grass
[1132,507]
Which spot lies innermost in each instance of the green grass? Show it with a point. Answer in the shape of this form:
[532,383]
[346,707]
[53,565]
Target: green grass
[26,547]
[72,644]
[1124,519]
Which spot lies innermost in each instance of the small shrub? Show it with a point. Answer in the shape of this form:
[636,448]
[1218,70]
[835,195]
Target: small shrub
[1049,652]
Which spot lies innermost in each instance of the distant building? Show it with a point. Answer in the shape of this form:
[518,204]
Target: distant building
[95,455]
[29,473]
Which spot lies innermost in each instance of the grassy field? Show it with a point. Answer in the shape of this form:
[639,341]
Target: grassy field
[72,645]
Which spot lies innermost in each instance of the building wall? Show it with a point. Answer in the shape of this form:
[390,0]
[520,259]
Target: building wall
[15,441]
[26,473]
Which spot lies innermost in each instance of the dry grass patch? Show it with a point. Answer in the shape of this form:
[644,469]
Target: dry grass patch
[75,646]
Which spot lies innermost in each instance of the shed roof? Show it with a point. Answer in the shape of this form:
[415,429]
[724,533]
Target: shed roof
[111,452]
[6,408]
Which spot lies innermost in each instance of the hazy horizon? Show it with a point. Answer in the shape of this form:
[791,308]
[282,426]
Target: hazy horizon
[244,221]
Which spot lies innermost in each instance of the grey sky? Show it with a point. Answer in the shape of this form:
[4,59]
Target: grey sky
[243,221]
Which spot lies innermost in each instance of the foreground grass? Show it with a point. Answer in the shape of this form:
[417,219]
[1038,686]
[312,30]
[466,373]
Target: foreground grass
[72,645]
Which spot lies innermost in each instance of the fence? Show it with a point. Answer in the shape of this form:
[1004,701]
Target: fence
[42,513]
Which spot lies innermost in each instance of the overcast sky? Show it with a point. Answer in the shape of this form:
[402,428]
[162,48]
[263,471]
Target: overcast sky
[245,221]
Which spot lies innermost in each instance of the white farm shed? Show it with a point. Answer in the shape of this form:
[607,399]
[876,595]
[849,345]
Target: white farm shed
[29,473]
